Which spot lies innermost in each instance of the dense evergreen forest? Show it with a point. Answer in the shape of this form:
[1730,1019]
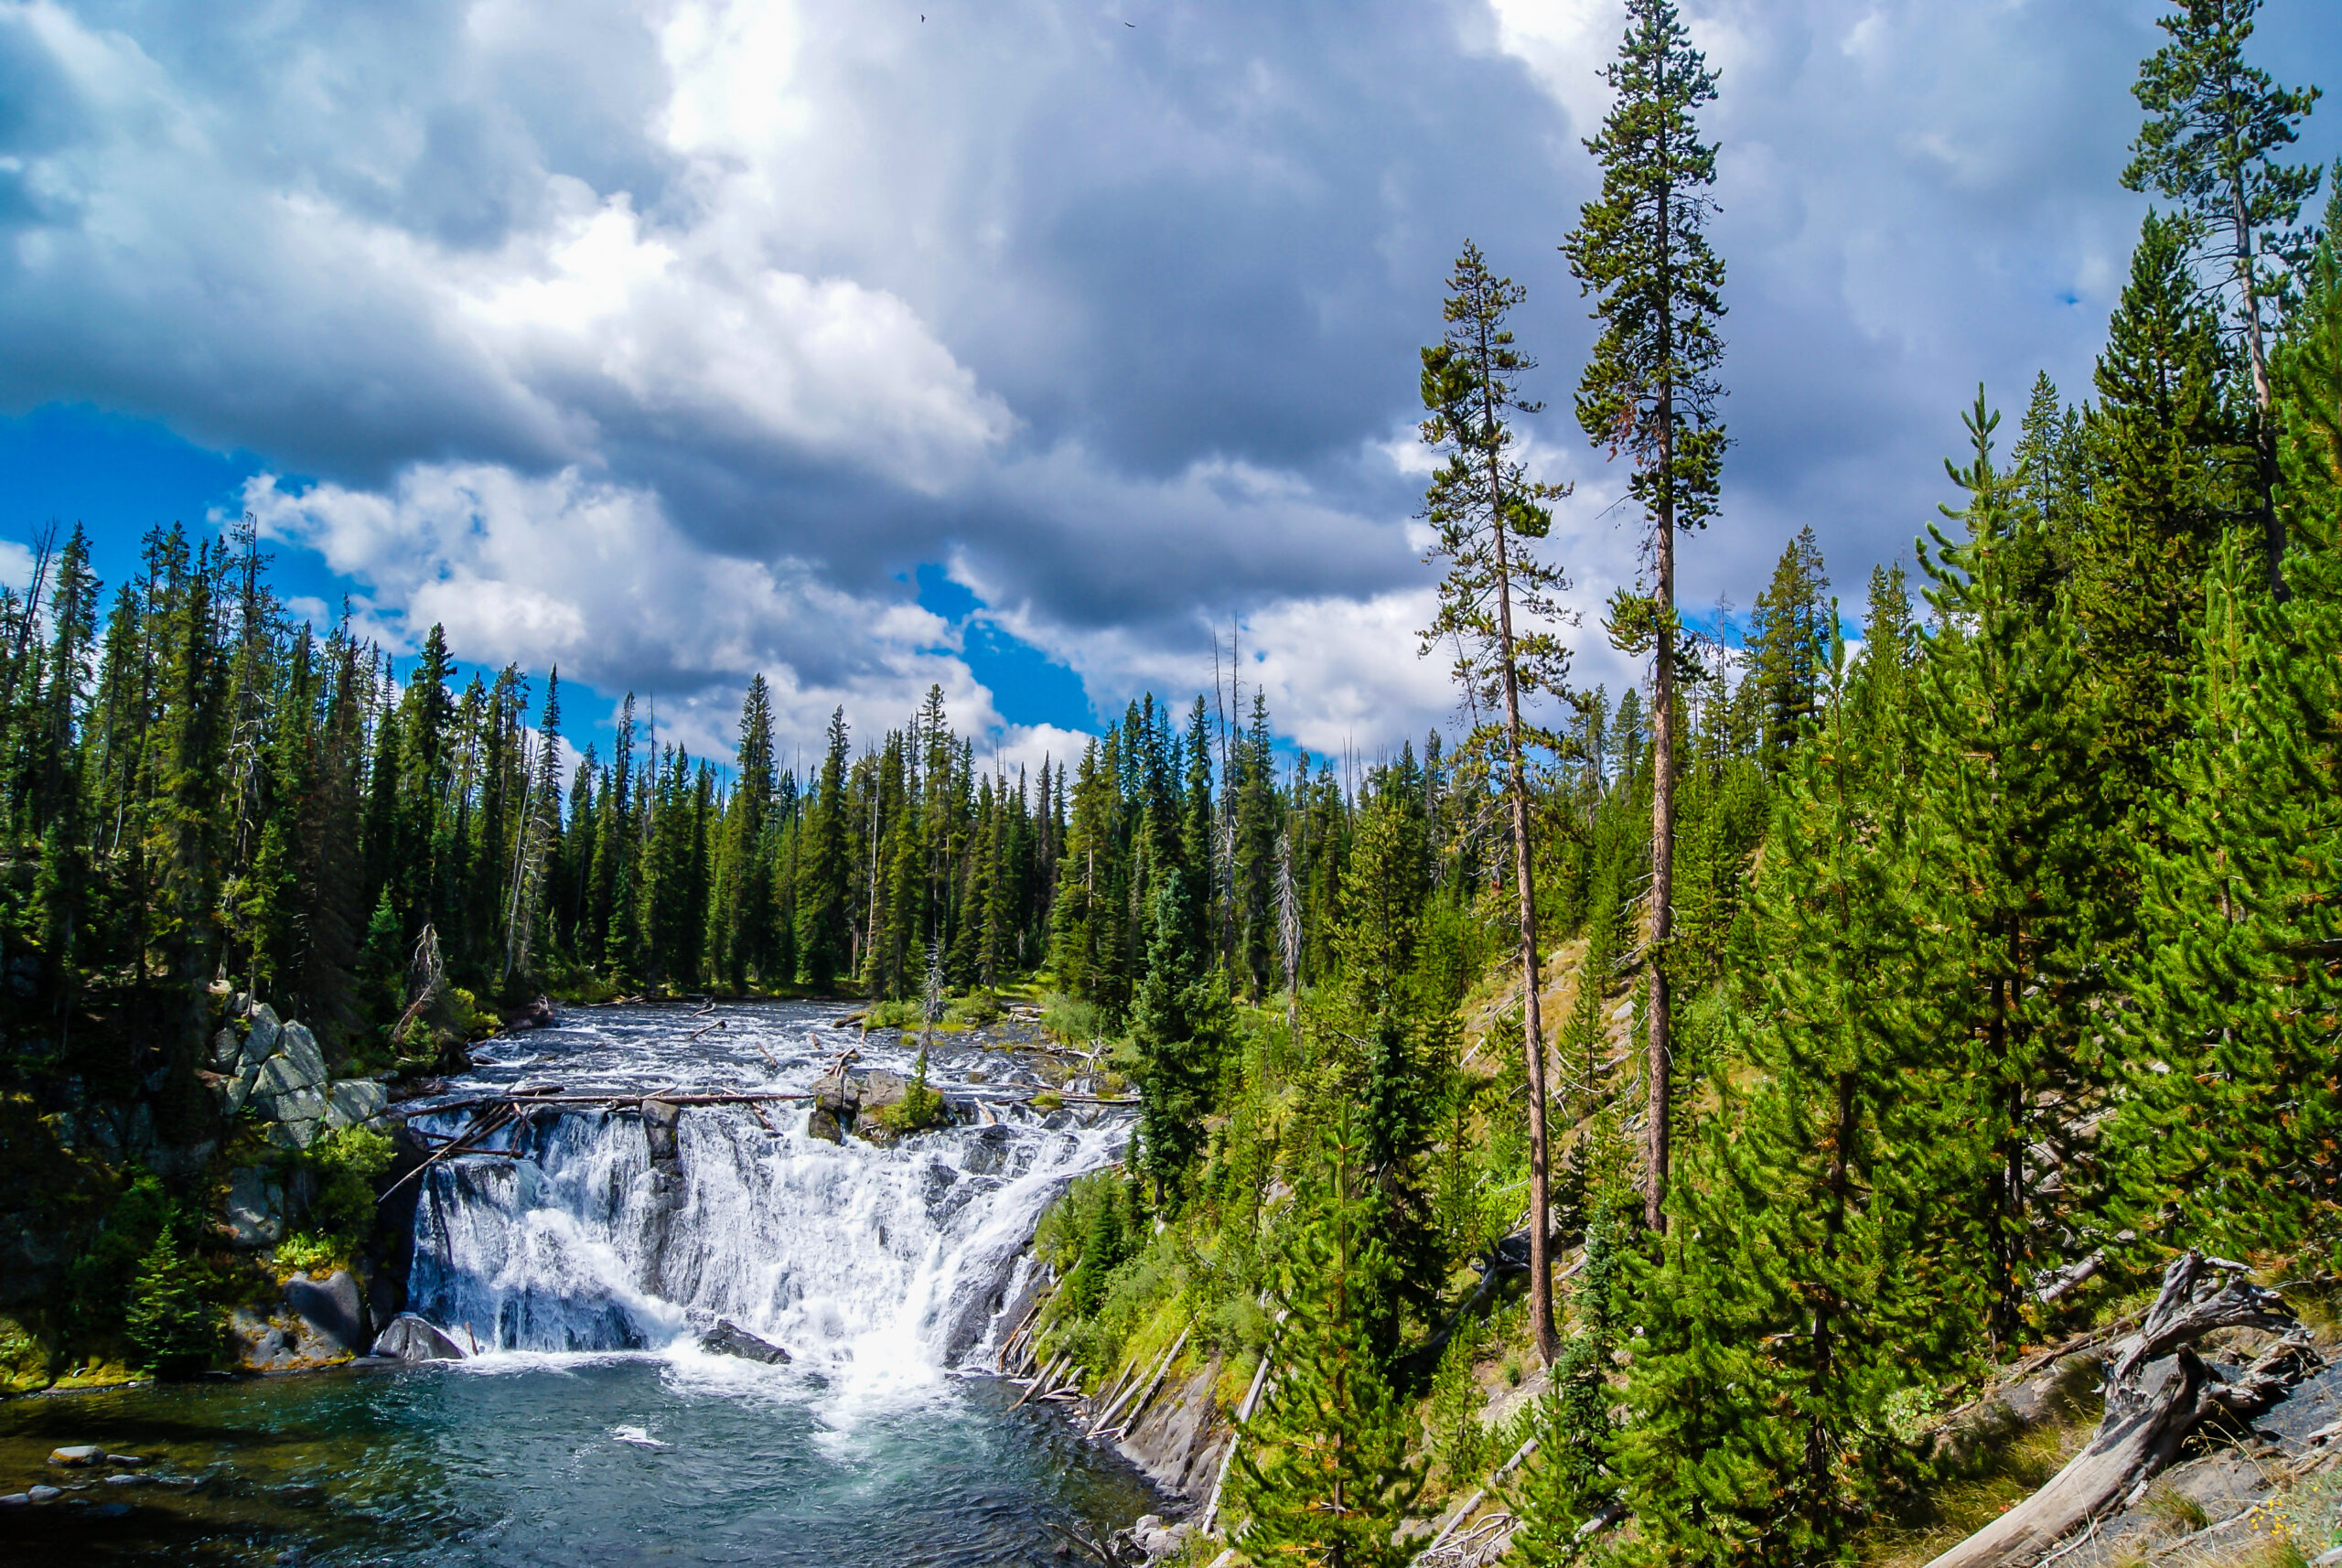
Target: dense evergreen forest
[1863,996]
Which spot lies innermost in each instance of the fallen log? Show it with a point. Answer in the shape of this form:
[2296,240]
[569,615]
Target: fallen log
[2157,1390]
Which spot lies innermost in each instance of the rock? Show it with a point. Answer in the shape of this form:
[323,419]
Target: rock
[260,1040]
[16,1500]
[227,1051]
[79,1453]
[280,1074]
[255,1209]
[332,1308]
[296,1134]
[537,1014]
[123,1478]
[658,1122]
[410,1338]
[240,1086]
[130,1459]
[44,1494]
[987,1152]
[823,1123]
[300,1048]
[353,1101]
[728,1338]
[1156,1539]
[877,1089]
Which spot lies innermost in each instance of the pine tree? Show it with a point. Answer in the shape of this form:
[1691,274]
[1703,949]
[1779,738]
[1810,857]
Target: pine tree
[1180,1021]
[1573,1478]
[2020,857]
[1651,391]
[1484,508]
[1815,1269]
[822,918]
[2235,1116]
[2163,459]
[2215,124]
[1323,1472]
[1788,640]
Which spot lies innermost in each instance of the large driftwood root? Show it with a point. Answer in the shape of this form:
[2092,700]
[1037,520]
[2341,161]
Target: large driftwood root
[2157,1390]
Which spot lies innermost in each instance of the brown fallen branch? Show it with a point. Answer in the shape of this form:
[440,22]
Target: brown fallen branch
[480,1127]
[2146,1420]
[704,1028]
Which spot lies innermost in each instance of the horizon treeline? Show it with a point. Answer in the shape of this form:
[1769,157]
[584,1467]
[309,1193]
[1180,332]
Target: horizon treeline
[201,790]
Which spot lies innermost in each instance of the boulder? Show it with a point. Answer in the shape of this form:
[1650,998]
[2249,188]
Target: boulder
[227,1051]
[44,1494]
[259,1038]
[255,1209]
[728,1338]
[410,1338]
[332,1308]
[987,1152]
[305,1104]
[78,1453]
[300,1048]
[823,1123]
[354,1100]
[281,1074]
[240,1087]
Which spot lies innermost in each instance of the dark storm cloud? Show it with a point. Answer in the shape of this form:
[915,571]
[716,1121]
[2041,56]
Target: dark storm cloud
[1120,321]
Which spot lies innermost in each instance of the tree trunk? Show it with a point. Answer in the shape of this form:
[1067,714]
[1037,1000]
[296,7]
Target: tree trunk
[2264,434]
[1658,1063]
[1532,1030]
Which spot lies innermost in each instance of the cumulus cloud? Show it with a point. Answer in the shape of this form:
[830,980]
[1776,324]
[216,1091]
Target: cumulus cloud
[664,337]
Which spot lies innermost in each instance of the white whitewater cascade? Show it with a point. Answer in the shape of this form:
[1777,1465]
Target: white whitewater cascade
[877,1263]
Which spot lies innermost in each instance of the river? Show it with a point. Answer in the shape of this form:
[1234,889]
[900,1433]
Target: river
[592,1428]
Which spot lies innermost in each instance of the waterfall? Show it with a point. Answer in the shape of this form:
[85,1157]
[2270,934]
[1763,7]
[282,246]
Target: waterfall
[861,1261]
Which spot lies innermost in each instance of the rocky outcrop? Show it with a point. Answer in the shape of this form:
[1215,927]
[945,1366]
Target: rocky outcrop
[275,1071]
[1177,1438]
[332,1308]
[317,1322]
[254,1215]
[854,1102]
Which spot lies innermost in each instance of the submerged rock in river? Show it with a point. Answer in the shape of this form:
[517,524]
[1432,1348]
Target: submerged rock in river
[728,1338]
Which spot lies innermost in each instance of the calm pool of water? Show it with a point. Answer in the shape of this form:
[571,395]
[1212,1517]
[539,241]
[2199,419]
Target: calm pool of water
[536,1459]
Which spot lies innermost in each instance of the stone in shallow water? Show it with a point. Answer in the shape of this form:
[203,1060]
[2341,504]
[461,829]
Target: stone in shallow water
[78,1453]
[410,1338]
[728,1338]
[44,1494]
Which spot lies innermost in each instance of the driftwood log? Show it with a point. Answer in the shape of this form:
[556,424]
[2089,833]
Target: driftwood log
[2157,1390]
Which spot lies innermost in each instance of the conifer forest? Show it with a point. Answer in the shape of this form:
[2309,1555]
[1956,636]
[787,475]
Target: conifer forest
[1635,1126]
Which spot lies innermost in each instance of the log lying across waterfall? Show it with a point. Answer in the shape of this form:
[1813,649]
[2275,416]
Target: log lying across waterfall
[2157,1390]
[614,1100]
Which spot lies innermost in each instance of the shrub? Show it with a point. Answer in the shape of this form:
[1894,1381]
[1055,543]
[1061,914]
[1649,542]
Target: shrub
[175,1332]
[346,1164]
[306,1253]
[1071,1021]
[101,1278]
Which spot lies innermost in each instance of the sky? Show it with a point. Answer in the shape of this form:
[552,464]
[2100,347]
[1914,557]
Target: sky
[1031,348]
